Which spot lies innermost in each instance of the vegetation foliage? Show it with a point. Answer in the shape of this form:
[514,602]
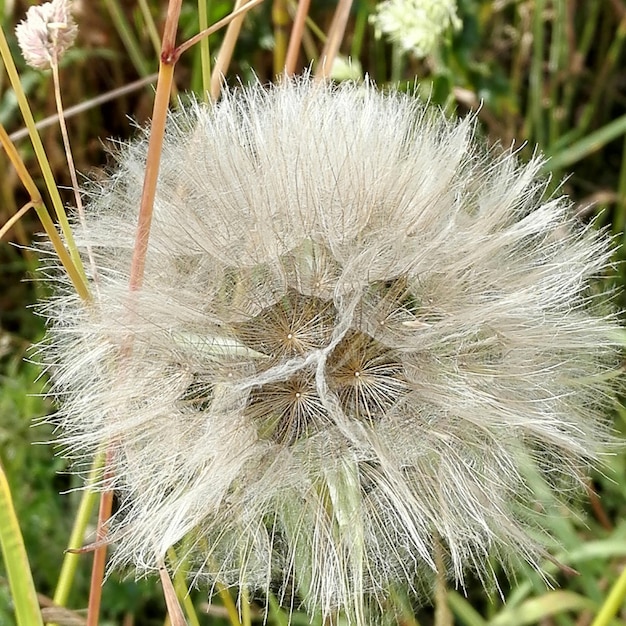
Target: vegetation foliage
[542,74]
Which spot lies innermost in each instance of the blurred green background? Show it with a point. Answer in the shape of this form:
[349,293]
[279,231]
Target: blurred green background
[546,73]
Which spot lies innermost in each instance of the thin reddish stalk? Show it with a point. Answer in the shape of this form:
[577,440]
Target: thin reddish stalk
[192,41]
[99,557]
[157,131]
[226,52]
[335,37]
[155,144]
[296,36]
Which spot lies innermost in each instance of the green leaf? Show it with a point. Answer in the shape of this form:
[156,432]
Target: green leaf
[27,611]
[464,610]
[537,609]
[587,145]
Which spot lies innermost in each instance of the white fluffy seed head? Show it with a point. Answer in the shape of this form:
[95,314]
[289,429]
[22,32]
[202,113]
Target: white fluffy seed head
[46,33]
[360,339]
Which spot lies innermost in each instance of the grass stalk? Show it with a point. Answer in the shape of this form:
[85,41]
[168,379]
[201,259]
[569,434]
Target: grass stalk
[99,556]
[41,155]
[443,614]
[226,52]
[280,21]
[174,609]
[571,88]
[77,278]
[155,40]
[336,34]
[558,56]
[163,91]
[27,612]
[81,107]
[180,586]
[14,219]
[533,126]
[295,40]
[192,41]
[244,600]
[128,37]
[77,537]
[205,55]
[613,603]
[54,65]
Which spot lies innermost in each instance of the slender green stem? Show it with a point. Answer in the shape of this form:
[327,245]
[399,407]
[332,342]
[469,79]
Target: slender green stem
[592,11]
[59,247]
[77,538]
[559,55]
[205,55]
[128,37]
[70,164]
[597,92]
[443,614]
[155,40]
[397,58]
[619,221]
[613,603]
[280,19]
[40,154]
[246,617]
[182,593]
[533,126]
[239,11]
[358,33]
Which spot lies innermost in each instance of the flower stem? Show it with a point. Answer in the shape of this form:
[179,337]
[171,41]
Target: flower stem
[40,153]
[296,36]
[335,37]
[99,557]
[67,261]
[280,19]
[205,56]
[70,561]
[613,603]
[54,65]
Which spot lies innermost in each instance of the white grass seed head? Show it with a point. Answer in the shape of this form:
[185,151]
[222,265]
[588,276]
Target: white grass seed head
[46,33]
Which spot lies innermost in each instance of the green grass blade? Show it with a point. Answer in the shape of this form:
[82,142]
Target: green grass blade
[27,611]
[538,609]
[586,146]
[464,611]
[133,48]
[613,603]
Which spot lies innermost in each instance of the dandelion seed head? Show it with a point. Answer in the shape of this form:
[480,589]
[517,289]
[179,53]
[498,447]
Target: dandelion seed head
[46,33]
[360,335]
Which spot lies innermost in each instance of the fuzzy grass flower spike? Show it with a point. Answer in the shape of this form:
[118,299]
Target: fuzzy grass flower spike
[416,25]
[46,33]
[359,335]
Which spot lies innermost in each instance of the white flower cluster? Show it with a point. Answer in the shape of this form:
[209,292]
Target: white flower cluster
[416,25]
[46,33]
[359,334]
